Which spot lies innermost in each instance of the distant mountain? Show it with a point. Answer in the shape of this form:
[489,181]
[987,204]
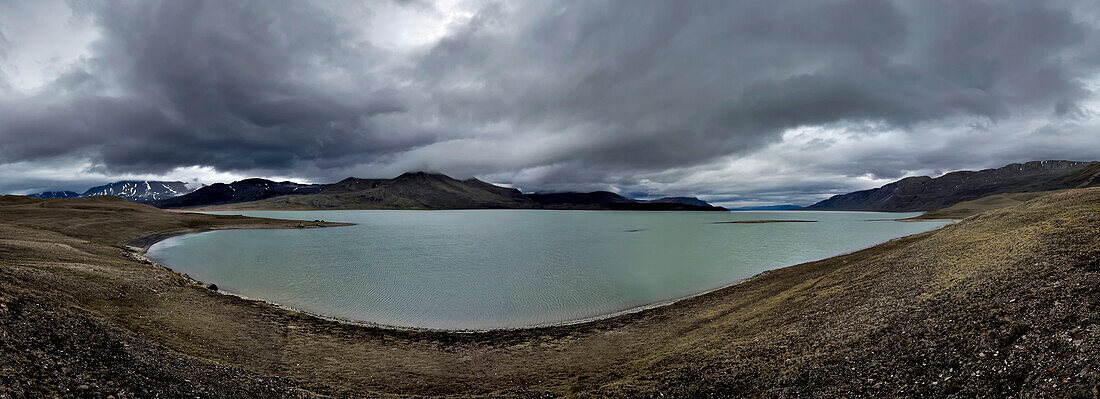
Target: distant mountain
[55,194]
[237,192]
[768,208]
[140,190]
[925,193]
[418,190]
[679,200]
[133,190]
[604,200]
[592,198]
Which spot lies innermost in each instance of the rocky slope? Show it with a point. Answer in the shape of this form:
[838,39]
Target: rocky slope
[925,193]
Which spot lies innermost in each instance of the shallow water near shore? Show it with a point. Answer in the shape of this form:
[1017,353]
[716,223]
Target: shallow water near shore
[484,269]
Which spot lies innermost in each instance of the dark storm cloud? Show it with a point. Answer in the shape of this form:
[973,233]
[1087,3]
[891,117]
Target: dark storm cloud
[231,85]
[633,95]
[664,84]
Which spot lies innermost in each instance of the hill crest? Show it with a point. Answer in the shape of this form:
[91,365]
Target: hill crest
[924,193]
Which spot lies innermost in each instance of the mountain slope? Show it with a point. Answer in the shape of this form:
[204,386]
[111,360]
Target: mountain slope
[679,200]
[786,207]
[604,200]
[55,194]
[925,193]
[418,190]
[421,190]
[140,190]
[593,198]
[981,205]
[238,191]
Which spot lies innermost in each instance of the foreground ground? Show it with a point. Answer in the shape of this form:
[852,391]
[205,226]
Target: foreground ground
[1000,304]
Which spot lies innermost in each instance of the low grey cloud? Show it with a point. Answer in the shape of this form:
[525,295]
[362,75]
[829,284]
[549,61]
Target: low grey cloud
[711,98]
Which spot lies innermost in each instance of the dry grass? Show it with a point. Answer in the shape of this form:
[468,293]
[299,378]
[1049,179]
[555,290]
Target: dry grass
[985,204]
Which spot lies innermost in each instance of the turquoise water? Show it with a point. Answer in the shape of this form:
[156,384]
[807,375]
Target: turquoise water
[480,269]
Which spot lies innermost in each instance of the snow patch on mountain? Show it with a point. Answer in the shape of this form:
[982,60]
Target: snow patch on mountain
[141,190]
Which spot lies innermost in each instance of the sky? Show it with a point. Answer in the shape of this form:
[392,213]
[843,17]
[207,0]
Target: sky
[737,102]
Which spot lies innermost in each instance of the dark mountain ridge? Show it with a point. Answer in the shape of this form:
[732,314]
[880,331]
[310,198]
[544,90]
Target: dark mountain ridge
[679,200]
[414,190]
[239,191]
[595,197]
[785,207]
[605,200]
[925,193]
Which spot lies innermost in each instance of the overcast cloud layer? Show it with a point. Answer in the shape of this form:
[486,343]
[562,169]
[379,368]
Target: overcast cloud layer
[736,102]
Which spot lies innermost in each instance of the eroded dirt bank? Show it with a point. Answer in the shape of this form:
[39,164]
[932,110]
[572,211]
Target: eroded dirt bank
[999,304]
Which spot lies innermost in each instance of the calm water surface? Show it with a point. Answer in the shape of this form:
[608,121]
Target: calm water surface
[477,269]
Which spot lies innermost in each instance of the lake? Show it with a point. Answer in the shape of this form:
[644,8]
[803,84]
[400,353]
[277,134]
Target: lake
[483,269]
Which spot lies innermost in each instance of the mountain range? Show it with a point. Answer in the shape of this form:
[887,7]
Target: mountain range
[786,207]
[235,192]
[144,191]
[422,190]
[607,200]
[925,193]
[55,194]
[416,190]
[679,200]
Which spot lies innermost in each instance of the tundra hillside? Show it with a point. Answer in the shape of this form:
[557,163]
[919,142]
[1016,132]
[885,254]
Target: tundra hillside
[924,193]
[1001,304]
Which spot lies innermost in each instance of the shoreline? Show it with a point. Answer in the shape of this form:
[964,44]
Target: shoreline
[142,243]
[157,237]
